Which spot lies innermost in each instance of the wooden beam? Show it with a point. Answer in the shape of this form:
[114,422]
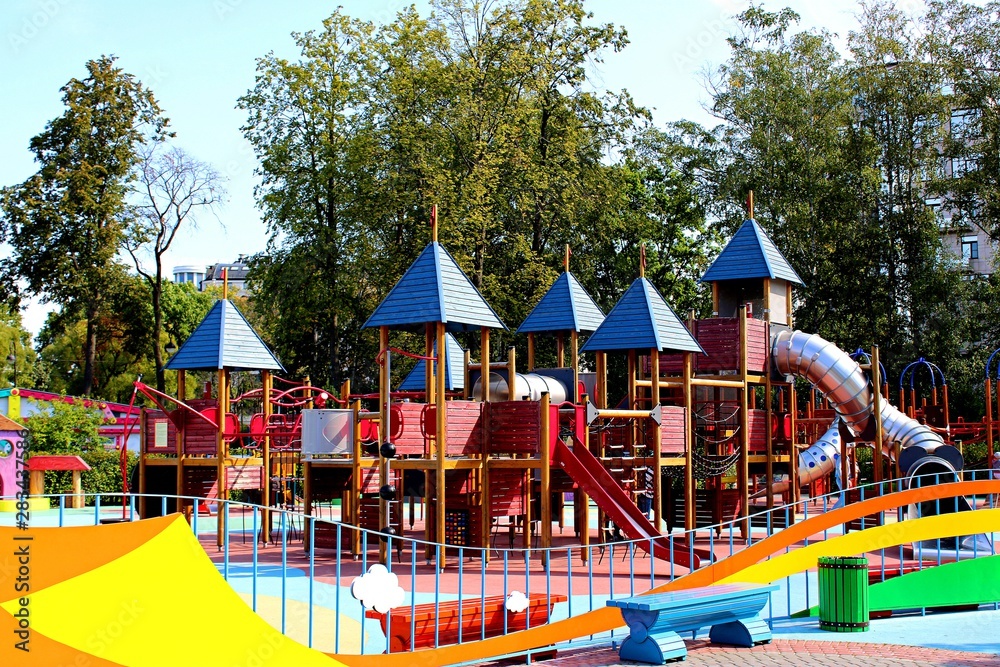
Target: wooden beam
[384,403]
[441,443]
[546,499]
[657,444]
[689,491]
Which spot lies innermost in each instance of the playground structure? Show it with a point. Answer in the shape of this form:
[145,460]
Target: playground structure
[709,417]
[708,420]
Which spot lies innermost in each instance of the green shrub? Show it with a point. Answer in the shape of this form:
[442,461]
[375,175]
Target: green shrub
[104,475]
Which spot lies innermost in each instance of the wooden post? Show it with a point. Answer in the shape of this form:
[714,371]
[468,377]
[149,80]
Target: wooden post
[574,338]
[769,443]
[267,380]
[307,383]
[430,371]
[178,445]
[877,397]
[36,482]
[944,398]
[546,499]
[512,374]
[584,510]
[601,390]
[385,398]
[794,463]
[430,391]
[466,389]
[143,437]
[354,501]
[632,370]
[657,444]
[560,350]
[77,499]
[484,363]
[441,440]
[743,472]
[689,491]
[220,452]
[531,351]
[989,417]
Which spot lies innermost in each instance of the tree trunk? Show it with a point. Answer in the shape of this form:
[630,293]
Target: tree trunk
[158,326]
[90,351]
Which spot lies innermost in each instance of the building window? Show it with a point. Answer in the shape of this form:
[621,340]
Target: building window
[965,124]
[970,248]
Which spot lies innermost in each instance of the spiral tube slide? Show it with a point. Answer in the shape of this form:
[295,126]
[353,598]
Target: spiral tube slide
[846,388]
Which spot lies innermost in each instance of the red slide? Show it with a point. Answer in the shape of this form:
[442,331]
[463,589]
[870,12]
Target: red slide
[589,473]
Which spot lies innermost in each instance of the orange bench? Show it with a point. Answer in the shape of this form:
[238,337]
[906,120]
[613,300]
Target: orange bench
[414,626]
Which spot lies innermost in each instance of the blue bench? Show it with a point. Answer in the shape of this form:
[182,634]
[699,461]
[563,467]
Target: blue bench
[732,610]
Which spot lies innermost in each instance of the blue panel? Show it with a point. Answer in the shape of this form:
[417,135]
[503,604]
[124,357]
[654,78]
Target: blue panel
[565,307]
[224,339]
[454,372]
[432,290]
[750,254]
[641,320]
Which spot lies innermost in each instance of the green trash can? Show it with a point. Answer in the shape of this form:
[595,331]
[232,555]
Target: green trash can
[843,593]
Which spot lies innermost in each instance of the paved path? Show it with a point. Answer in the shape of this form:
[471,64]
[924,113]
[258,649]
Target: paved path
[793,653]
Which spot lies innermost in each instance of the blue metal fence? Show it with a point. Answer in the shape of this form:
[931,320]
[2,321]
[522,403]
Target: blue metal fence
[500,570]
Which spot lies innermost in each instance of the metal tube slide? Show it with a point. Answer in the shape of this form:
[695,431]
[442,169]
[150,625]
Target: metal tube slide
[845,386]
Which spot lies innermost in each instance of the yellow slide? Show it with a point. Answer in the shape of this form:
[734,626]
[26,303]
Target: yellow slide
[140,594]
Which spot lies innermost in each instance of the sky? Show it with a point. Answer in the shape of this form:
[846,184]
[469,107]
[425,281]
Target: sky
[199,56]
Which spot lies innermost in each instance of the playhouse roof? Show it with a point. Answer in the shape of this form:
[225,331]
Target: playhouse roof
[224,339]
[750,254]
[434,289]
[454,371]
[7,424]
[565,307]
[642,320]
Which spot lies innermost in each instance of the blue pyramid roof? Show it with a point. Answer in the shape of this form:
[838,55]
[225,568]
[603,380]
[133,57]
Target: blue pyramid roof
[750,254]
[565,307]
[224,339]
[434,290]
[642,320]
[454,371]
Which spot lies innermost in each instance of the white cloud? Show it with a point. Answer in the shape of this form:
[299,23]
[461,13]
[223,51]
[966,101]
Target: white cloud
[516,602]
[378,589]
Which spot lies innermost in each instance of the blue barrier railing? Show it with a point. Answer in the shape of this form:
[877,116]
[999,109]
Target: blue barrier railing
[500,571]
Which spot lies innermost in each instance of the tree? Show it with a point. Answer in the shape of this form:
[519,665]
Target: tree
[303,121]
[66,223]
[123,329]
[174,189]
[15,350]
[964,47]
[484,109]
[63,427]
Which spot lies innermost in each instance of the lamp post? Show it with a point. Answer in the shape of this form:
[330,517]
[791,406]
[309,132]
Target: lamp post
[170,348]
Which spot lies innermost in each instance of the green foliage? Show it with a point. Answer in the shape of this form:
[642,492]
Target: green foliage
[15,341]
[104,476]
[843,151]
[66,223]
[488,111]
[61,427]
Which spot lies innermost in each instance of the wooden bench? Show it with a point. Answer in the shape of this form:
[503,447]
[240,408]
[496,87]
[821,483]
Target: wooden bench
[732,610]
[413,627]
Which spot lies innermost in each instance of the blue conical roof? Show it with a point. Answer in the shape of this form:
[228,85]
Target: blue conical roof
[750,254]
[454,370]
[565,307]
[432,290]
[224,340]
[642,320]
